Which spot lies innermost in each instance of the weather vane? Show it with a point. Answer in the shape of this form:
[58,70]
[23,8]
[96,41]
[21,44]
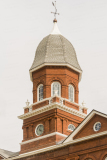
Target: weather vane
[55,13]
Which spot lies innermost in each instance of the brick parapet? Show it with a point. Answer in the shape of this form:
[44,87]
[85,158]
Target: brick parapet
[41,104]
[34,145]
[54,99]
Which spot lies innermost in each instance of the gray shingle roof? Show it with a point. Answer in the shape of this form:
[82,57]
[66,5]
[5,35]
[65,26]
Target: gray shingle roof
[55,49]
[7,154]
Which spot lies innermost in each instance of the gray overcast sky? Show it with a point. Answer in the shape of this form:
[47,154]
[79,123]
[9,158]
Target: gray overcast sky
[23,24]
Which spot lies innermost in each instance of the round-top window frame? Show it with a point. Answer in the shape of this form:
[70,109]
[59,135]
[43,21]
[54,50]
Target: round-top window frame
[71,92]
[58,92]
[37,128]
[94,127]
[40,92]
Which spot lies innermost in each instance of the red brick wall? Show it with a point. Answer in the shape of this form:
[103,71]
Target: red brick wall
[49,141]
[88,129]
[47,75]
[96,149]
[42,104]
[54,99]
[54,120]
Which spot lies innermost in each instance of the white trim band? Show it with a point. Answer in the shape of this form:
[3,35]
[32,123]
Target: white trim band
[42,137]
[52,106]
[58,146]
[55,64]
[53,97]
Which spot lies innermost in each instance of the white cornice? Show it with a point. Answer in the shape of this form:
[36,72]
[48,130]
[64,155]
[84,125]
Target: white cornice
[50,107]
[56,64]
[42,137]
[59,146]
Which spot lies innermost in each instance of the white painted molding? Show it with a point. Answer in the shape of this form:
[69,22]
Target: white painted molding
[42,137]
[56,64]
[94,127]
[53,97]
[58,146]
[88,137]
[52,106]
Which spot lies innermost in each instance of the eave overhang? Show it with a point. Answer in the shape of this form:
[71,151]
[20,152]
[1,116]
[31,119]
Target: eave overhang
[52,106]
[55,64]
[54,147]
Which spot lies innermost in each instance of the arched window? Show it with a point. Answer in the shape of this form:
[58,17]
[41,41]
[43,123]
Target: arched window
[71,92]
[56,89]
[40,92]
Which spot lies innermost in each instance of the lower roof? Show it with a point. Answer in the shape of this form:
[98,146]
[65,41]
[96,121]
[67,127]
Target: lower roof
[6,154]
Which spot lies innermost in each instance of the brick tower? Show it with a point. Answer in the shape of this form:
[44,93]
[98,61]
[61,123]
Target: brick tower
[55,111]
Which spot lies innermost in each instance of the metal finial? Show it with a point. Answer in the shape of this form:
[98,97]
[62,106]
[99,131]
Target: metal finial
[55,13]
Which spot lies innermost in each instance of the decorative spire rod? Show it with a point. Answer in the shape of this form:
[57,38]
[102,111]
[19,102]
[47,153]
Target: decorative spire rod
[55,13]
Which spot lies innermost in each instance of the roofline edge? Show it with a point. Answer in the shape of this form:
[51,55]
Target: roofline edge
[55,64]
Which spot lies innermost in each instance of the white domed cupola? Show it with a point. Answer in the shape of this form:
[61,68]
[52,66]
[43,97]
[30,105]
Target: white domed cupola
[55,50]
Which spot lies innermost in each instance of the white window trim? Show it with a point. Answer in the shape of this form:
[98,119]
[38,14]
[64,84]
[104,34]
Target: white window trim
[95,125]
[44,136]
[59,88]
[38,92]
[73,92]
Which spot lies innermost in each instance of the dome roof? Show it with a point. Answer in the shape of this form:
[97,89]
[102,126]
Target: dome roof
[55,49]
